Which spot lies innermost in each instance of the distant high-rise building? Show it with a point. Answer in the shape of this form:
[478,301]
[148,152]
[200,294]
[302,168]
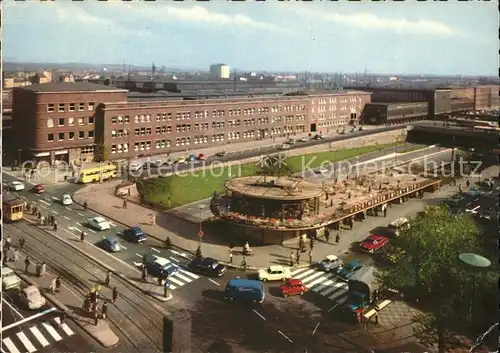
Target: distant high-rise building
[220,71]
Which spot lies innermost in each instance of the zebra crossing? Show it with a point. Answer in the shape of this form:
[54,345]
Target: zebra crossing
[325,284]
[177,279]
[35,337]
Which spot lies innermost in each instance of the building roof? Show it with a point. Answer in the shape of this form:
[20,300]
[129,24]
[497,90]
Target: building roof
[277,188]
[405,104]
[70,87]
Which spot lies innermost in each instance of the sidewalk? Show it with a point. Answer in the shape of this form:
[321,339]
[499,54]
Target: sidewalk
[64,301]
[183,234]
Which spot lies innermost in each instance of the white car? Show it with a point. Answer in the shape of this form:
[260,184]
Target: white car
[16,186]
[66,200]
[32,298]
[321,171]
[275,273]
[99,223]
[9,279]
[284,146]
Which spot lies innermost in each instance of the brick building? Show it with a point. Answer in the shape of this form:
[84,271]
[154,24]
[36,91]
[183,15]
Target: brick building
[56,121]
[71,121]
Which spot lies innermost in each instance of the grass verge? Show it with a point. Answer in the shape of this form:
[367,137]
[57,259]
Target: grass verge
[176,190]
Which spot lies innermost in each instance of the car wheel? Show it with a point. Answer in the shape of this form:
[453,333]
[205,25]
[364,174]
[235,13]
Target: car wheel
[285,295]
[264,279]
[283,279]
[327,270]
[301,292]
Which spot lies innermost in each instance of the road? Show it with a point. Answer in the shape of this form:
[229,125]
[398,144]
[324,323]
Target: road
[254,152]
[136,318]
[73,219]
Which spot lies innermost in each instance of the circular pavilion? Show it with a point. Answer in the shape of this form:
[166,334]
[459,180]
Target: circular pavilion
[270,209]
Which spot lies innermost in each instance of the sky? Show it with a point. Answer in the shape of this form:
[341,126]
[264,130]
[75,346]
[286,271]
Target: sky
[447,38]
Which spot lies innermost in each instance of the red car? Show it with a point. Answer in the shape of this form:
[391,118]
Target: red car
[38,189]
[202,157]
[292,287]
[373,243]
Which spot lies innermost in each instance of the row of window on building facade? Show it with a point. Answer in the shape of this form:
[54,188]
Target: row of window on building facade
[205,139]
[69,107]
[145,118]
[71,121]
[62,136]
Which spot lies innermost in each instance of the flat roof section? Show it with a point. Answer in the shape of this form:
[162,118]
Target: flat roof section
[276,188]
[70,87]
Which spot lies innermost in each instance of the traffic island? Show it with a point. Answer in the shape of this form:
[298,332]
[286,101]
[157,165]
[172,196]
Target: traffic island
[153,289]
[64,301]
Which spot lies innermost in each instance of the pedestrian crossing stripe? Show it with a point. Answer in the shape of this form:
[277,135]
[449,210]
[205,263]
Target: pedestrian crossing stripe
[323,283]
[36,337]
[176,279]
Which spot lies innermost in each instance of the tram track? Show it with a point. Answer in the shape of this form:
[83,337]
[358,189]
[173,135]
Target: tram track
[138,320]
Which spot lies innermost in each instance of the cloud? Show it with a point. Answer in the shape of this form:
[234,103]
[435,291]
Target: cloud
[369,21]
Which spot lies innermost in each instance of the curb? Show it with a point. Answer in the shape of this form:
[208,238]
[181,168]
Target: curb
[63,307]
[102,264]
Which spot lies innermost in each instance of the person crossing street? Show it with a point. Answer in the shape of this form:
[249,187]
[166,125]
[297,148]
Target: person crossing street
[115,295]
[82,236]
[27,264]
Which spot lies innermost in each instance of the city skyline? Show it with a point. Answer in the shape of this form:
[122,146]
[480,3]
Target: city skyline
[292,35]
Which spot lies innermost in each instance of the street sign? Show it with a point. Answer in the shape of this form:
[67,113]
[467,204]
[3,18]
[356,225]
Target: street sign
[200,233]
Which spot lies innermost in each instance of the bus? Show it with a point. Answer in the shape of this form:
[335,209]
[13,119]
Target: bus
[12,208]
[97,174]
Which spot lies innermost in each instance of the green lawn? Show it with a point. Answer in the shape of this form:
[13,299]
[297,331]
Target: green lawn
[177,190]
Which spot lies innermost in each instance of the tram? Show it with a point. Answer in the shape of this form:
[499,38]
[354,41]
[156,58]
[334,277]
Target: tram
[12,208]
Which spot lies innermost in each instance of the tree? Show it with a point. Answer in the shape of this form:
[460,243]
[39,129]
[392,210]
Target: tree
[426,264]
[101,153]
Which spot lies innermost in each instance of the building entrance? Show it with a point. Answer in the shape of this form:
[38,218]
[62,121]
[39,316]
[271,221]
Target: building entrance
[313,127]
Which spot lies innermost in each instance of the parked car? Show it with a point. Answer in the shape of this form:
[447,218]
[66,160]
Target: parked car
[202,157]
[156,265]
[274,273]
[303,139]
[329,263]
[66,200]
[321,171]
[207,266]
[347,270]
[111,244]
[38,189]
[319,137]
[292,287]
[220,154]
[99,223]
[180,160]
[398,225]
[284,146]
[134,235]
[16,186]
[290,142]
[191,158]
[373,243]
[10,279]
[31,298]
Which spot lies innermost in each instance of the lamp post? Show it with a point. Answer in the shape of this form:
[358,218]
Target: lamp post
[476,262]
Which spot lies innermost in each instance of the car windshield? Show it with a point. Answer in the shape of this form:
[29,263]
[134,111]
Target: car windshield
[32,295]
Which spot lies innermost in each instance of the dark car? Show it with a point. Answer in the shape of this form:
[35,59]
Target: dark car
[220,154]
[38,189]
[347,270]
[134,234]
[111,244]
[207,266]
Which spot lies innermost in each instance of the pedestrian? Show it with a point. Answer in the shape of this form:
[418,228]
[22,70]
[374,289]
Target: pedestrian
[115,295]
[385,211]
[55,226]
[160,279]
[125,204]
[43,269]
[337,238]
[230,256]
[53,285]
[108,278]
[327,236]
[15,255]
[244,263]
[144,276]
[82,236]
[351,223]
[467,183]
[310,256]
[311,244]
[460,188]
[8,243]
[298,257]
[94,305]
[27,264]
[21,242]
[62,317]
[168,243]
[292,260]
[152,220]
[85,205]
[58,284]
[301,243]
[96,317]
[104,310]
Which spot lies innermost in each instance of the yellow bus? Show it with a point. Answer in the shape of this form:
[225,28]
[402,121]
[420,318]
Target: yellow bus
[12,208]
[94,175]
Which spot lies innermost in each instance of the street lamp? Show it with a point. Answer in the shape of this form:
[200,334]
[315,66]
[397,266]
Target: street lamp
[476,262]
